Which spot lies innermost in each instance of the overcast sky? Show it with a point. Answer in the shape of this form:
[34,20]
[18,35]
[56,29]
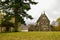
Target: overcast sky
[51,8]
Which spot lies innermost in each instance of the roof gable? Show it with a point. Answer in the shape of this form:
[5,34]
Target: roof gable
[43,17]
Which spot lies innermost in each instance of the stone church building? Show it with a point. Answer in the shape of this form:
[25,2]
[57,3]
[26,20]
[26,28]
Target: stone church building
[42,24]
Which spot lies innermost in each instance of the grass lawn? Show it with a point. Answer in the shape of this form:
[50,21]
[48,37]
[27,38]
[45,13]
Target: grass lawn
[30,36]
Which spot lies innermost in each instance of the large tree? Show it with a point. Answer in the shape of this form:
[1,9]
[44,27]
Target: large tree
[16,9]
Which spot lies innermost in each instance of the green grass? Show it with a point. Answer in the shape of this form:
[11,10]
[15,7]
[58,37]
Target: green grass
[30,36]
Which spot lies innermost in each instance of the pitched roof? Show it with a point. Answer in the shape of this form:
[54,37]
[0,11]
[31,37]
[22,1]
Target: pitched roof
[23,27]
[42,15]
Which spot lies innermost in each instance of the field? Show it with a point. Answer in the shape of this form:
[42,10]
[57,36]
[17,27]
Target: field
[30,36]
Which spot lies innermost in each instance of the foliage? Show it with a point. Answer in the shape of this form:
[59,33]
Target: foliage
[7,24]
[16,9]
[57,28]
[58,24]
[58,20]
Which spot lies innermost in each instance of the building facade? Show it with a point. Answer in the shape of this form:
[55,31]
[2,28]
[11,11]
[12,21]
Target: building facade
[42,24]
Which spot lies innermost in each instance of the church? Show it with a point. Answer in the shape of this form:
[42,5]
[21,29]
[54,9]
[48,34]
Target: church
[42,24]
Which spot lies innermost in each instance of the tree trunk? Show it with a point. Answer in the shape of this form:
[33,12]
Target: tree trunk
[16,26]
[16,21]
[1,29]
[7,29]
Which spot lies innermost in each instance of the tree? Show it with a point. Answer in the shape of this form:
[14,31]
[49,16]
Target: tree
[56,24]
[1,17]
[17,9]
[58,20]
[7,24]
